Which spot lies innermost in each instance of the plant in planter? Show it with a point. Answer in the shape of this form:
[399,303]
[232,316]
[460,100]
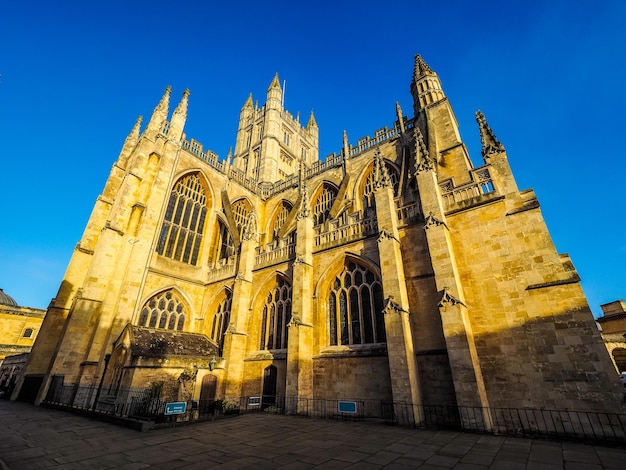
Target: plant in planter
[230,407]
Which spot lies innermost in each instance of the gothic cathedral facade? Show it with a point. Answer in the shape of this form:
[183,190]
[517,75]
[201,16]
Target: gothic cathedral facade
[392,271]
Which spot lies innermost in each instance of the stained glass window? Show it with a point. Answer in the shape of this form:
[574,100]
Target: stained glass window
[355,307]
[181,233]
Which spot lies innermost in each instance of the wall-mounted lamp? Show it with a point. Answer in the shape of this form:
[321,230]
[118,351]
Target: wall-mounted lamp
[212,364]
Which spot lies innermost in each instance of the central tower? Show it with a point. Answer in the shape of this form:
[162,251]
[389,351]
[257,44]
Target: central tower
[271,143]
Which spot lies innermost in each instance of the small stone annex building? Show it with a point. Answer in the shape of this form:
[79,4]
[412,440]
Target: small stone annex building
[394,270]
[613,326]
[19,326]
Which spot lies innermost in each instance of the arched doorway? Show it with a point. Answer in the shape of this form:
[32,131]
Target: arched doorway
[269,387]
[208,390]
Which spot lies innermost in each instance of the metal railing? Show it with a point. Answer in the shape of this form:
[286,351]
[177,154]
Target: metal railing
[149,404]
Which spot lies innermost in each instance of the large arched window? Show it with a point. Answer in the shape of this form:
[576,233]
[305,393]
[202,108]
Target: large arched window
[181,232]
[221,320]
[276,316]
[355,307]
[165,310]
[280,219]
[323,204]
[368,187]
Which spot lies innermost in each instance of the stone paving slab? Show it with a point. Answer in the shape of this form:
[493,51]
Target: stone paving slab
[39,438]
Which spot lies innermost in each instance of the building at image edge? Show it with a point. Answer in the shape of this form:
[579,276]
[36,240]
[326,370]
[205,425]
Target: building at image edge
[393,271]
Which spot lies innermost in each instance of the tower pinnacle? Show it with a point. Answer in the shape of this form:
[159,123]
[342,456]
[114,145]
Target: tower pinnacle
[490,144]
[425,86]
[248,103]
[274,94]
[160,113]
[179,117]
[312,122]
[421,68]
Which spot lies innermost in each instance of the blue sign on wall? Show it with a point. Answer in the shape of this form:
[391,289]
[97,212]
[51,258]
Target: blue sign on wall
[175,408]
[347,407]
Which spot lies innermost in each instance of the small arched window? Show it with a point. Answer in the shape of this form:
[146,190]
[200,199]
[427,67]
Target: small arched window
[355,307]
[323,204]
[165,310]
[225,242]
[280,219]
[181,233]
[276,317]
[241,212]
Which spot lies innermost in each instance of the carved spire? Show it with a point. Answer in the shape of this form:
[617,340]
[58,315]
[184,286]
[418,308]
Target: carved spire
[304,210]
[381,174]
[275,83]
[130,142]
[134,133]
[490,144]
[346,149]
[179,117]
[423,162]
[425,86]
[159,115]
[312,123]
[400,117]
[248,103]
[421,68]
[274,95]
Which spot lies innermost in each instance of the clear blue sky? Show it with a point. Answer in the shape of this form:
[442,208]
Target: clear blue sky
[75,75]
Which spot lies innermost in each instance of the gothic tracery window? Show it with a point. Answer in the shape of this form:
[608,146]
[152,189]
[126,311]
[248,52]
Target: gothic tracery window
[323,204]
[276,317]
[355,306]
[221,320]
[280,219]
[165,310]
[241,211]
[181,233]
[368,187]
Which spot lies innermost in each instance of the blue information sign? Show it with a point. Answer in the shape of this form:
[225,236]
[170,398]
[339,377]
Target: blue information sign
[175,408]
[347,407]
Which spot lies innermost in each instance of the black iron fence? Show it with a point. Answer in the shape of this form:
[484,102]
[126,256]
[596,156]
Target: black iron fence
[149,404]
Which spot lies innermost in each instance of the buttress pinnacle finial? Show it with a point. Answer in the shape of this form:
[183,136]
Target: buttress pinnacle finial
[134,133]
[179,117]
[423,162]
[159,115]
[400,117]
[490,144]
[381,174]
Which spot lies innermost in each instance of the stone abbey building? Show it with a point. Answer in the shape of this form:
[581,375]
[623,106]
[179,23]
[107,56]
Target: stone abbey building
[392,271]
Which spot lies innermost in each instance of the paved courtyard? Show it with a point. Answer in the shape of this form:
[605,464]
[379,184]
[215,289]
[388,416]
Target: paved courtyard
[39,438]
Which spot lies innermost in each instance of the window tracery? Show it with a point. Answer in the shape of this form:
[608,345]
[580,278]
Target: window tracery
[355,306]
[181,232]
[323,204]
[280,219]
[368,187]
[241,211]
[276,317]
[165,310]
